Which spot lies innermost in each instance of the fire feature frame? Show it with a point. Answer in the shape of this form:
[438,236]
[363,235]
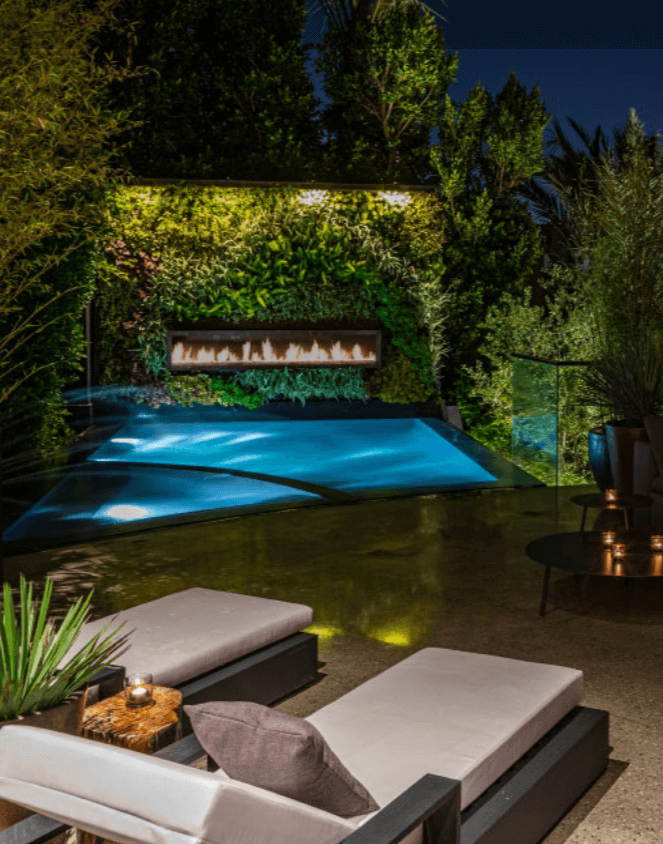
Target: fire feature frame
[258,336]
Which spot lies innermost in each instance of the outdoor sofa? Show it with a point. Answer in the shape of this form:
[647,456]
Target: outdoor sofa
[454,747]
[212,645]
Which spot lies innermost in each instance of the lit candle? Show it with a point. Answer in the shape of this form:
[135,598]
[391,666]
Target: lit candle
[657,564]
[138,689]
[619,550]
[608,537]
[611,495]
[138,694]
[656,542]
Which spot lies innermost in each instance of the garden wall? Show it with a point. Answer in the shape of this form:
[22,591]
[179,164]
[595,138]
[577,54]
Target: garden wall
[217,258]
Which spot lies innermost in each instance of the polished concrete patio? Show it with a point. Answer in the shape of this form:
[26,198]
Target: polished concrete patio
[388,577]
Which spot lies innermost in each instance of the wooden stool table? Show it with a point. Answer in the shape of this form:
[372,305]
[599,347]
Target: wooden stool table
[145,728]
[142,728]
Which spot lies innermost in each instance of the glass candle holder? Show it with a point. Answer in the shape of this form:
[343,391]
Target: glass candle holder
[138,689]
[608,537]
[656,542]
[656,568]
[618,552]
[611,495]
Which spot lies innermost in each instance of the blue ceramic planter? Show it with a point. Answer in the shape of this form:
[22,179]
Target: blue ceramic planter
[599,459]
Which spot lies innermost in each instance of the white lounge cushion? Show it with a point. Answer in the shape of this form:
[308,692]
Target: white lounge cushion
[183,635]
[133,798]
[460,715]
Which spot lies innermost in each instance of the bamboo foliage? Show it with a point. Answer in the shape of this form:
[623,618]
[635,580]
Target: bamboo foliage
[623,245]
[54,165]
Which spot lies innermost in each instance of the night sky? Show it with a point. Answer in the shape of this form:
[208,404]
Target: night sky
[593,61]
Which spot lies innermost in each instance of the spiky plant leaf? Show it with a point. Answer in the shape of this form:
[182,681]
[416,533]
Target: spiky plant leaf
[31,650]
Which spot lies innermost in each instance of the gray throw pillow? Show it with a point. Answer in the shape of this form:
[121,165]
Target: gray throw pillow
[654,426]
[280,753]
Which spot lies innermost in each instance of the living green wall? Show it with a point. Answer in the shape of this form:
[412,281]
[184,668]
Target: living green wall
[178,254]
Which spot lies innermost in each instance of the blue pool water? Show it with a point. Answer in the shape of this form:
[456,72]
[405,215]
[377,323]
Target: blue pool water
[153,469]
[342,454]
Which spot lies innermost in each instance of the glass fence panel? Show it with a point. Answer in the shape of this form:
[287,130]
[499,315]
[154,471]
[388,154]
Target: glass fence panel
[534,435]
[551,419]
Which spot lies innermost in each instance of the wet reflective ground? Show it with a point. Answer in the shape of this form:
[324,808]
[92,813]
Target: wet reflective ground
[388,577]
[388,571]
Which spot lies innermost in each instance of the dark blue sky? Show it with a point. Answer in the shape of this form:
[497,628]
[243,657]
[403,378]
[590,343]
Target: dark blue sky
[593,61]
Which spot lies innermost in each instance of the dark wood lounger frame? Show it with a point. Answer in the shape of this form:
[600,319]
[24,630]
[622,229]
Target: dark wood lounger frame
[521,806]
[264,676]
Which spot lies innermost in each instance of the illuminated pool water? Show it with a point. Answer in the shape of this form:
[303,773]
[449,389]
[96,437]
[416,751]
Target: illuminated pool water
[153,470]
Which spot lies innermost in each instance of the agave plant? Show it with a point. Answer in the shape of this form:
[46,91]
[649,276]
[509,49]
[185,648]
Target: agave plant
[31,650]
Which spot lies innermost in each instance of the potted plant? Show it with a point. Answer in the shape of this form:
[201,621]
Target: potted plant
[620,269]
[628,380]
[38,690]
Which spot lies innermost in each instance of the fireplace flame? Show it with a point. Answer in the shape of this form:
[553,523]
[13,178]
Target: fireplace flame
[204,352]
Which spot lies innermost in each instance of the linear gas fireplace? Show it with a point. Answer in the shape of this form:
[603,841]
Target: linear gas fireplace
[235,350]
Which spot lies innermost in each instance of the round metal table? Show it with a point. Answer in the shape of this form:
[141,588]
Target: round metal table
[627,503]
[584,552]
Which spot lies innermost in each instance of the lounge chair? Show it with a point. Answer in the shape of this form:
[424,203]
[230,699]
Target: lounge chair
[453,746]
[212,645]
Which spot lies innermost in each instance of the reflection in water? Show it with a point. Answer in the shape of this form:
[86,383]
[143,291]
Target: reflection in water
[606,561]
[657,564]
[369,571]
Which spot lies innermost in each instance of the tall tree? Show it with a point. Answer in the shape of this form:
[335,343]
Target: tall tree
[571,175]
[386,72]
[486,151]
[228,95]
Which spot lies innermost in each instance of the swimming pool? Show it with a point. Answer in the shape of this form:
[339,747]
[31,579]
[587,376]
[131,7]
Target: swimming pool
[159,468]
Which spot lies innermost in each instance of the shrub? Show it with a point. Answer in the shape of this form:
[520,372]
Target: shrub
[558,330]
[303,384]
[200,388]
[398,381]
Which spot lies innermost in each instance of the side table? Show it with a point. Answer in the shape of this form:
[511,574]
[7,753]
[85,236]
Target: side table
[627,503]
[145,729]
